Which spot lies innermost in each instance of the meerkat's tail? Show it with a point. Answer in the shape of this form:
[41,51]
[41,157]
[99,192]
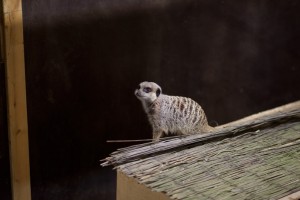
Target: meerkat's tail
[207,128]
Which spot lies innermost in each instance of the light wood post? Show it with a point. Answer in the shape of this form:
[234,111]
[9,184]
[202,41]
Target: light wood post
[16,99]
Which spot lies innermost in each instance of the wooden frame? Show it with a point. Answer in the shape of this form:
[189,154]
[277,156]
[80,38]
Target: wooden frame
[16,99]
[17,114]
[128,188]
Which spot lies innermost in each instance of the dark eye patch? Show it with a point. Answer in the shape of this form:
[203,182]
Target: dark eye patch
[147,89]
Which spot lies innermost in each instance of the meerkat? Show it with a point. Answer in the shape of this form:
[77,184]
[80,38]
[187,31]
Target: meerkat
[171,114]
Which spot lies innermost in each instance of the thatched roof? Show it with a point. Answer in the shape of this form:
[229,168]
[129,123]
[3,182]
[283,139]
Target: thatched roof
[257,158]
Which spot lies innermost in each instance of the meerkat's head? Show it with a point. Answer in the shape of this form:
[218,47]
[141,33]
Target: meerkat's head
[148,92]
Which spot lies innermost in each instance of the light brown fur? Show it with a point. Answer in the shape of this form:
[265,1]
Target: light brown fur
[171,114]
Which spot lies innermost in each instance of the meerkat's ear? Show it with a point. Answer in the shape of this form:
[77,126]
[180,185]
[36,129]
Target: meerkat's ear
[158,92]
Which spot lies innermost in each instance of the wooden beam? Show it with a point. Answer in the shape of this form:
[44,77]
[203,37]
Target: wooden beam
[258,116]
[16,96]
[294,196]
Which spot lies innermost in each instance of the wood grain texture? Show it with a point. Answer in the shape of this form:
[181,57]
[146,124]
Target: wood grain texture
[294,196]
[128,188]
[12,6]
[16,95]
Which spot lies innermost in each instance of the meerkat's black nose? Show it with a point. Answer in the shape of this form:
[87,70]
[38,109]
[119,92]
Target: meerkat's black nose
[139,87]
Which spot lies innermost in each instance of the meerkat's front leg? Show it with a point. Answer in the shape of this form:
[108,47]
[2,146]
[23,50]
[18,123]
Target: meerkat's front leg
[157,134]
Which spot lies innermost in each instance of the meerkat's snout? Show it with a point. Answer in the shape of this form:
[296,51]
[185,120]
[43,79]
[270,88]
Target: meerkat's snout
[138,92]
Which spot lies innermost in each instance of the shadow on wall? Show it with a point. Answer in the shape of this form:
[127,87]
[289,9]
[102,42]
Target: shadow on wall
[85,58]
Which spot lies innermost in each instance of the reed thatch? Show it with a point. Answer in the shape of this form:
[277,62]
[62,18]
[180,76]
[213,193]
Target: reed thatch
[257,158]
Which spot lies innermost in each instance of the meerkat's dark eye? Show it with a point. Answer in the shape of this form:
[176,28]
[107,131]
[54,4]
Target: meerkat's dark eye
[158,92]
[147,89]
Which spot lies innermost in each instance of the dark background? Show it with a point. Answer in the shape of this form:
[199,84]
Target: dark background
[84,58]
[5,184]
[5,188]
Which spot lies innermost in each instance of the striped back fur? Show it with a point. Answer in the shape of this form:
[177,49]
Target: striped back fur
[177,115]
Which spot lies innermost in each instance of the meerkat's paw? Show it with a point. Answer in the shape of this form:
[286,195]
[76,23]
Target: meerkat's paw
[157,135]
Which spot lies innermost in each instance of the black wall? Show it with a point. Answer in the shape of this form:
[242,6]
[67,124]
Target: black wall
[5,184]
[84,58]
